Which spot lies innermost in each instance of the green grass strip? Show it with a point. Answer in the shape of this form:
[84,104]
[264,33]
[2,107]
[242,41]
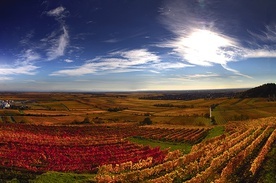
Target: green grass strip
[216,131]
[54,177]
[183,147]
[267,172]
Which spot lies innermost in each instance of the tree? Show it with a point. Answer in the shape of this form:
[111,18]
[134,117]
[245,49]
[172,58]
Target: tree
[86,120]
[147,121]
[213,120]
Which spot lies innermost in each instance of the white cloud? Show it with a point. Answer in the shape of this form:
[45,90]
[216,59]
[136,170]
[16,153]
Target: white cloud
[55,45]
[15,70]
[4,78]
[27,57]
[23,65]
[170,65]
[153,71]
[59,39]
[123,61]
[79,71]
[137,56]
[26,40]
[68,60]
[200,76]
[120,61]
[260,53]
[59,44]
[267,36]
[56,12]
[195,77]
[235,71]
[111,41]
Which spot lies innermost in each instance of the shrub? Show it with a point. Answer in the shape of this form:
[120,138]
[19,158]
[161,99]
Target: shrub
[147,121]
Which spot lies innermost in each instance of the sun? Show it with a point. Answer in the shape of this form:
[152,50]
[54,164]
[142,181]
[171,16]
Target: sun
[204,47]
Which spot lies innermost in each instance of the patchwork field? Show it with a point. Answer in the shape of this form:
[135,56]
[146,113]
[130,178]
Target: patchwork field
[62,108]
[63,137]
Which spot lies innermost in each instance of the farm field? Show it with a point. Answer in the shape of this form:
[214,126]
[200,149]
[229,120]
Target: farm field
[66,108]
[100,138]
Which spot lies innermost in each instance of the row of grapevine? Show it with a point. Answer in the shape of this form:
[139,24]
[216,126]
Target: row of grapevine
[224,157]
[7,119]
[43,150]
[204,160]
[191,135]
[91,134]
[213,160]
[240,157]
[130,166]
[76,159]
[261,156]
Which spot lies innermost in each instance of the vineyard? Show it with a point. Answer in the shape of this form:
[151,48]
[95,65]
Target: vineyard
[234,156]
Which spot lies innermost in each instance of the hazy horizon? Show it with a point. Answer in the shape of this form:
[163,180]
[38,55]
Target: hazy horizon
[118,91]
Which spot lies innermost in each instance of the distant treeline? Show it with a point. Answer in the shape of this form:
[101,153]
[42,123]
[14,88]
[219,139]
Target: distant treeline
[171,105]
[116,109]
[192,95]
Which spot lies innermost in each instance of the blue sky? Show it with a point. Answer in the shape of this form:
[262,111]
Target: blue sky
[133,45]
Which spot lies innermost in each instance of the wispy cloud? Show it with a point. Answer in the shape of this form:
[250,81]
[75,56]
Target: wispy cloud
[235,71]
[58,39]
[201,76]
[195,77]
[54,45]
[58,45]
[49,47]
[154,71]
[4,78]
[170,65]
[83,36]
[78,71]
[266,36]
[27,57]
[57,12]
[15,70]
[263,44]
[68,60]
[123,61]
[260,53]
[111,40]
[26,40]
[25,64]
[119,61]
[136,57]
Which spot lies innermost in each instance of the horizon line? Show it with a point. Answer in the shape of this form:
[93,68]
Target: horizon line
[116,91]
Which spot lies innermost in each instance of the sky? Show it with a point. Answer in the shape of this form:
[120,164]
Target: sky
[136,45]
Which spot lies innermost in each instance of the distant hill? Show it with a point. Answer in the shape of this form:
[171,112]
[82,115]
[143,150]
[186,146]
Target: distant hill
[265,91]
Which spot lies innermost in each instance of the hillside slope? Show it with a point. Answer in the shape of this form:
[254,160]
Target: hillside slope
[265,91]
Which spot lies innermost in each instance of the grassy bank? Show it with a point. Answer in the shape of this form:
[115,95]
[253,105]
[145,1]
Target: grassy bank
[183,147]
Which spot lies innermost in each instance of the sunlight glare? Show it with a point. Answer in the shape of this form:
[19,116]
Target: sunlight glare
[204,47]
